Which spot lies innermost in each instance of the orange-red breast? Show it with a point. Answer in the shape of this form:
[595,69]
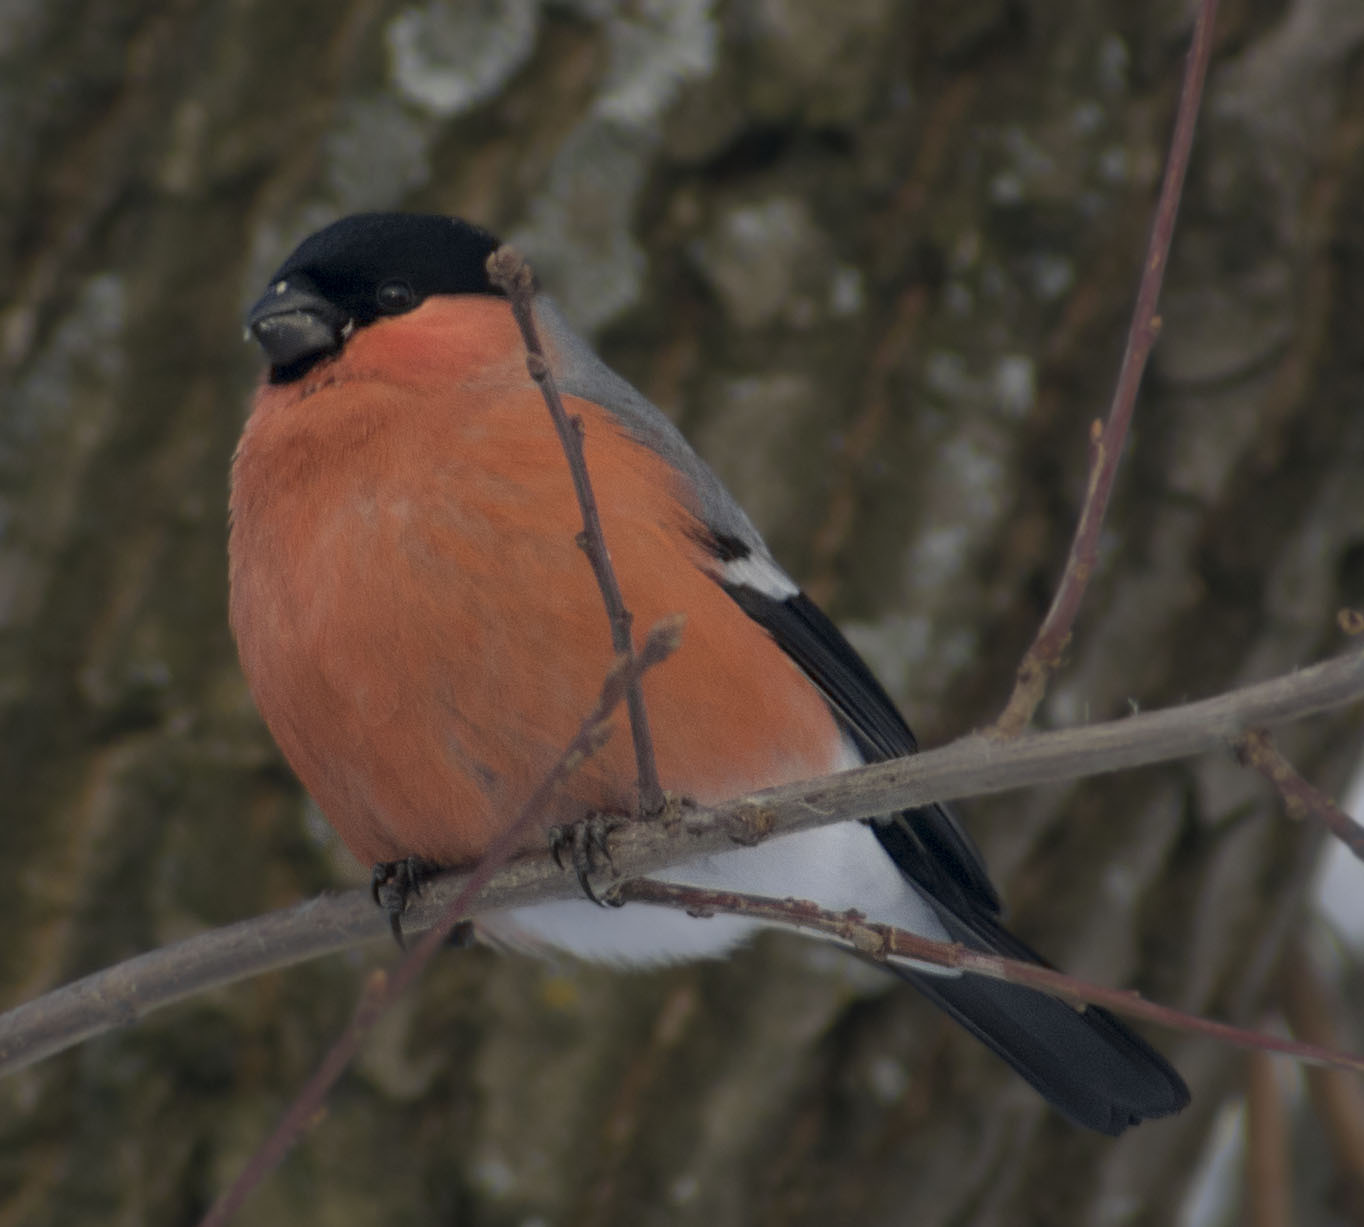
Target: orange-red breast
[423,636]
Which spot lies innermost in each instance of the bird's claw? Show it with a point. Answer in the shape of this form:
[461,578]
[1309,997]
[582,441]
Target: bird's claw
[393,884]
[585,845]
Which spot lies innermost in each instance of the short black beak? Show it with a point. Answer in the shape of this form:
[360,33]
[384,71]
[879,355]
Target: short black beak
[296,325]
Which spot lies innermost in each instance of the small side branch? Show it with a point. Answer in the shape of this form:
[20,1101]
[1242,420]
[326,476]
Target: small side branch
[1301,799]
[1106,443]
[510,273]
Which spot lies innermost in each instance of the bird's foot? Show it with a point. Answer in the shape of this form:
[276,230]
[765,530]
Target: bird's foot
[393,884]
[584,844]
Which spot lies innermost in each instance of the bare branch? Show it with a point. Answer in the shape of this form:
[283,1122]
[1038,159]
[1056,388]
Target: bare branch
[509,272]
[1042,658]
[1301,799]
[884,943]
[970,767]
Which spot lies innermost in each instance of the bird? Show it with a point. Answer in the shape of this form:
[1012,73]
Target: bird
[422,636]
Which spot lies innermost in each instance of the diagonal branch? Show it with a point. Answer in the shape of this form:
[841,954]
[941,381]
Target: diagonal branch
[1042,658]
[509,271]
[382,989]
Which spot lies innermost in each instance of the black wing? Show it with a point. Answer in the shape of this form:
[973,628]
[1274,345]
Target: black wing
[1088,1064]
[928,844]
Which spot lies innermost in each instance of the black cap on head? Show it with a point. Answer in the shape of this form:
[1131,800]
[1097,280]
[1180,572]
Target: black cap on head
[360,269]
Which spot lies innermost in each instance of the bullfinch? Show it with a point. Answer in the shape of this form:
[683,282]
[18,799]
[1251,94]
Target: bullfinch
[423,636]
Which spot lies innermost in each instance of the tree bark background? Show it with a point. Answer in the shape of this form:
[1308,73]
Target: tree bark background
[877,259]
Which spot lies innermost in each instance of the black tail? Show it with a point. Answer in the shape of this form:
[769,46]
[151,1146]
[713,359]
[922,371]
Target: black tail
[1085,1062]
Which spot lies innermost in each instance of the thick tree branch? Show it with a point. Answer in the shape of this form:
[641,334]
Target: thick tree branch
[970,767]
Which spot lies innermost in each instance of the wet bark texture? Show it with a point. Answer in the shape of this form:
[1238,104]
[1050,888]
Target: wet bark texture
[877,258]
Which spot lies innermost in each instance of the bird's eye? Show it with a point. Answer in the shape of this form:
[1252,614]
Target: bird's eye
[395,297]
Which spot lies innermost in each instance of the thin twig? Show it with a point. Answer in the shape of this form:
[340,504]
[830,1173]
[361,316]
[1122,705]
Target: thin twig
[383,989]
[1044,656]
[885,943]
[1301,799]
[973,766]
[508,270]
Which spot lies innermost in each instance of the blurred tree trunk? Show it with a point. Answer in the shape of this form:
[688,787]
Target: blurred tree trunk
[877,258]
